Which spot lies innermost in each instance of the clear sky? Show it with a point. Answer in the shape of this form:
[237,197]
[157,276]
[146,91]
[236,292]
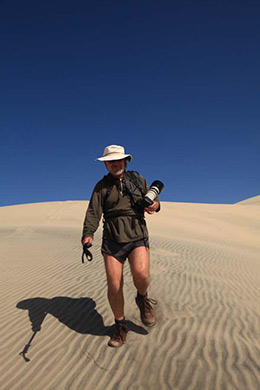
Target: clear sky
[176,82]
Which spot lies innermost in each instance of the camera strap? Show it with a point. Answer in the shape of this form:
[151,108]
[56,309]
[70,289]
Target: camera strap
[86,252]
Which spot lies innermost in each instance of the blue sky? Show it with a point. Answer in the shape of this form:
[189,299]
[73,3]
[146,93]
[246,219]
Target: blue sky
[176,82]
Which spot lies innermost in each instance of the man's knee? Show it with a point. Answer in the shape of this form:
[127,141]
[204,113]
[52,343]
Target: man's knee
[141,276]
[114,287]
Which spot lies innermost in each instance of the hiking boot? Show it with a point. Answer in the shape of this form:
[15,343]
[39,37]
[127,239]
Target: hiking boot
[119,336]
[146,309]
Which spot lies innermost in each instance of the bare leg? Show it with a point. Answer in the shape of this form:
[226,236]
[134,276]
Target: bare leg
[114,271]
[140,264]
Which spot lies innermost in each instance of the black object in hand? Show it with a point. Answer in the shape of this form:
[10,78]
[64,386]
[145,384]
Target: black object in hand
[86,252]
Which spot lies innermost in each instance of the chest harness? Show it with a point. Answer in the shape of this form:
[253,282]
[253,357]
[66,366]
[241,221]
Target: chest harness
[125,187]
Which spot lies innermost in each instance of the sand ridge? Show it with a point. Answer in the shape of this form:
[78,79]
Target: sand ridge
[205,271]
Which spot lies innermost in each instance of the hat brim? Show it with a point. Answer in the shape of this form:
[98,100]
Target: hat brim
[115,156]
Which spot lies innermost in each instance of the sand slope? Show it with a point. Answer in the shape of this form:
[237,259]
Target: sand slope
[205,269]
[255,200]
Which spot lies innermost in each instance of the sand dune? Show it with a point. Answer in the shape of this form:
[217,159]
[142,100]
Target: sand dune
[255,200]
[205,270]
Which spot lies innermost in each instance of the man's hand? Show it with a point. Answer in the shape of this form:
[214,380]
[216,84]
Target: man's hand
[152,208]
[87,243]
[87,239]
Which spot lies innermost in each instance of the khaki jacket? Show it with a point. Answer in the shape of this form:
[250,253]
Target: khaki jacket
[121,223]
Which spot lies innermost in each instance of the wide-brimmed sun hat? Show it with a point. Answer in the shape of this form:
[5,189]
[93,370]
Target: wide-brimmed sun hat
[114,152]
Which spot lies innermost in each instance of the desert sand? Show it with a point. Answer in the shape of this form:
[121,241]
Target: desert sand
[55,318]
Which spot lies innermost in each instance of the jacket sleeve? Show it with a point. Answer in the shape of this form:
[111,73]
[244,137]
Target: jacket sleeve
[93,213]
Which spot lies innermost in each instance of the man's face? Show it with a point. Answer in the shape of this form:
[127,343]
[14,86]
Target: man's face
[116,167]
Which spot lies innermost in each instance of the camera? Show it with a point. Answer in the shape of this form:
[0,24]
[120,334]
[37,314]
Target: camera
[155,189]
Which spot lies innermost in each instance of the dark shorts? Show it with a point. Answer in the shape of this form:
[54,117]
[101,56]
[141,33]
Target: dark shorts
[121,251]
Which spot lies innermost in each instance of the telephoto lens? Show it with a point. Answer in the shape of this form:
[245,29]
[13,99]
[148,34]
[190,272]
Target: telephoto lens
[155,189]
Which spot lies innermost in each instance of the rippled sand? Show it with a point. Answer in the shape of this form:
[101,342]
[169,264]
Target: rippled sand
[55,318]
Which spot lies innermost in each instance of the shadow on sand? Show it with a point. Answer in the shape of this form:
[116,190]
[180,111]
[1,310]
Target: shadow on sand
[78,314]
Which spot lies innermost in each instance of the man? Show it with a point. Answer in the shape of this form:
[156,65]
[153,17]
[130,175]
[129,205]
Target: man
[125,235]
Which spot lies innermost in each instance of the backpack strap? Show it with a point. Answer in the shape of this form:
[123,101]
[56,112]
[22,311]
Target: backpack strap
[109,186]
[131,176]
